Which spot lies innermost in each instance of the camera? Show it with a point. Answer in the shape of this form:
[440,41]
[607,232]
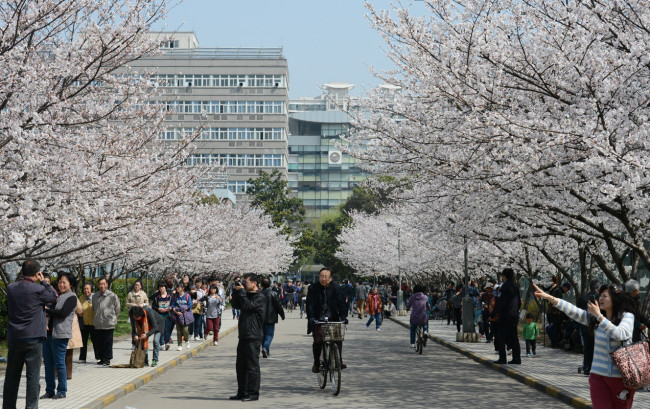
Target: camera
[238,282]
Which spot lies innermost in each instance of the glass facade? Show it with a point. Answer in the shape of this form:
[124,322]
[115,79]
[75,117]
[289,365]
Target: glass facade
[320,174]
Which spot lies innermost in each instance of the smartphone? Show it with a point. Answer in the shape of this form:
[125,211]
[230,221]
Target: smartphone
[592,299]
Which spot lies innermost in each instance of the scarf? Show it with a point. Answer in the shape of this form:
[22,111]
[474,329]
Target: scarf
[141,328]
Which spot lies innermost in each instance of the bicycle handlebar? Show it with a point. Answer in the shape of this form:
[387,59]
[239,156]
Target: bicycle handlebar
[329,322]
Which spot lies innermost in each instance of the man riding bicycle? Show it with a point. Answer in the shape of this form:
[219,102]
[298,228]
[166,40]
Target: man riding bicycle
[289,290]
[324,300]
[420,304]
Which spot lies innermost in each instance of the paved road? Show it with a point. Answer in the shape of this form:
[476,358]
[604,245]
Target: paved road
[383,372]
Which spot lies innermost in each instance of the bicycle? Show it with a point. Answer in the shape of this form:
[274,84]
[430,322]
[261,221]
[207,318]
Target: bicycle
[290,305]
[330,366]
[420,340]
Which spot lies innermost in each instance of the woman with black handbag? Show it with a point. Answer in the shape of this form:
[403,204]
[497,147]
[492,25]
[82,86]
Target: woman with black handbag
[613,327]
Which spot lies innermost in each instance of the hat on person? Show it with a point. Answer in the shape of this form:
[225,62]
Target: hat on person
[488,285]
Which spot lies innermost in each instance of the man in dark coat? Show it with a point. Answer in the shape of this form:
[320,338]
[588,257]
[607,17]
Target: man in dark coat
[273,309]
[26,331]
[247,298]
[324,300]
[507,309]
[641,321]
[587,332]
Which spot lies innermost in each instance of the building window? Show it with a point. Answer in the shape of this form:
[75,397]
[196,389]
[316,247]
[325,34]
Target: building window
[170,44]
[238,186]
[216,81]
[258,134]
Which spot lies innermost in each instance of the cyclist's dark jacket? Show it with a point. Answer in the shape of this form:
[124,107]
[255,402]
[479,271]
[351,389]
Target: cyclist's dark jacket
[336,305]
[252,306]
[273,307]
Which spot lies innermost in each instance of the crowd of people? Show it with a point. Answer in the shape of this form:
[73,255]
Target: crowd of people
[603,319]
[48,322]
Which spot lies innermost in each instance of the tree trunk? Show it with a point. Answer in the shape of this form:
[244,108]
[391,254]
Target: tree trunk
[635,265]
[584,283]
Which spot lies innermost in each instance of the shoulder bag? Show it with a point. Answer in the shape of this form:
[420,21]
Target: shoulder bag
[633,361]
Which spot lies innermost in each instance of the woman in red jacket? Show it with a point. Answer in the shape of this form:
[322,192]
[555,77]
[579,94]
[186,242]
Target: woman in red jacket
[374,307]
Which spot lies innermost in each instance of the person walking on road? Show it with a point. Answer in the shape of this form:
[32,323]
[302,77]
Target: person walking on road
[273,309]
[162,303]
[250,301]
[348,293]
[324,301]
[361,295]
[213,310]
[613,325]
[303,297]
[507,308]
[182,315]
[449,312]
[26,330]
[106,307]
[374,307]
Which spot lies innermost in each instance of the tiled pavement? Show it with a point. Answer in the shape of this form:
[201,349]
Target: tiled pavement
[91,381]
[553,367]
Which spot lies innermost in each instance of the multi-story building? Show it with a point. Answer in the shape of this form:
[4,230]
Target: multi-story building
[319,173]
[237,97]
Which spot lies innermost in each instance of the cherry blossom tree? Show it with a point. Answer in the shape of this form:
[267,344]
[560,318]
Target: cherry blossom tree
[84,178]
[523,122]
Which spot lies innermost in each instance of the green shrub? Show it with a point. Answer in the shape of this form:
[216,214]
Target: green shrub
[532,308]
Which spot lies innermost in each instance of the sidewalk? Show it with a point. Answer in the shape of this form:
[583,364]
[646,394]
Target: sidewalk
[95,386]
[552,371]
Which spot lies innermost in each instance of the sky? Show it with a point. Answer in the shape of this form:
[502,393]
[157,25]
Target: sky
[323,41]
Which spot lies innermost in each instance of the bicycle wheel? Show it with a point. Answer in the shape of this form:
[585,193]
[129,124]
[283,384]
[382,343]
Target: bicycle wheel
[418,343]
[420,340]
[335,370]
[324,368]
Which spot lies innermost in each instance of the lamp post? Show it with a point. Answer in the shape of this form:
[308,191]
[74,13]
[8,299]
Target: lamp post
[400,294]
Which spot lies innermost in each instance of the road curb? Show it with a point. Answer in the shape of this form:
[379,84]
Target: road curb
[142,380]
[540,385]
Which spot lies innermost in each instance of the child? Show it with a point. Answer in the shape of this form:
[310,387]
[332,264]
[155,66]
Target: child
[389,309]
[530,333]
